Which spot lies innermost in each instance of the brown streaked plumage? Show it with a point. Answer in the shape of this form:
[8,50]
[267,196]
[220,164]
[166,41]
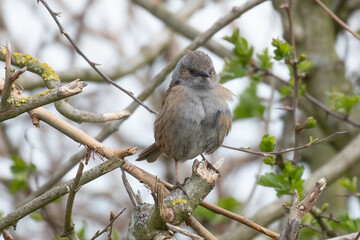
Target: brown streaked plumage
[194,117]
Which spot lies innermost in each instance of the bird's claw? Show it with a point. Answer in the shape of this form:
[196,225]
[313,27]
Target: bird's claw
[181,186]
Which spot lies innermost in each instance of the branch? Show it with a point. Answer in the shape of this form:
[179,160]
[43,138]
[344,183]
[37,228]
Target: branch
[25,104]
[333,170]
[33,65]
[145,56]
[13,217]
[69,228]
[176,22]
[92,64]
[149,220]
[77,115]
[320,104]
[112,220]
[352,236]
[299,209]
[336,19]
[268,154]
[6,92]
[184,232]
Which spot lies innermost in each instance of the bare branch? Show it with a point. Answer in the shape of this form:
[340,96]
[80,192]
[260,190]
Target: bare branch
[77,115]
[184,232]
[336,19]
[268,154]
[13,217]
[299,209]
[176,23]
[92,64]
[112,220]
[320,104]
[6,92]
[69,228]
[25,104]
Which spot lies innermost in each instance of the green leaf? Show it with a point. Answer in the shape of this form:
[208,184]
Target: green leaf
[310,123]
[267,143]
[229,203]
[249,104]
[282,50]
[285,183]
[16,185]
[302,57]
[115,234]
[264,60]
[239,64]
[325,207]
[37,216]
[232,69]
[351,185]
[81,233]
[312,141]
[269,160]
[204,214]
[285,91]
[347,223]
[21,172]
[305,66]
[341,102]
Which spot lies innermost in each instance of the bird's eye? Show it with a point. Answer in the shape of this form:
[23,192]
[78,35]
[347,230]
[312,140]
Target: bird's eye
[191,70]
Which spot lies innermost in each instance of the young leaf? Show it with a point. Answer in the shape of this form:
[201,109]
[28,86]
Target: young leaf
[282,50]
[269,160]
[285,183]
[37,216]
[267,143]
[264,60]
[249,104]
[310,123]
[239,65]
[341,102]
[351,185]
[285,91]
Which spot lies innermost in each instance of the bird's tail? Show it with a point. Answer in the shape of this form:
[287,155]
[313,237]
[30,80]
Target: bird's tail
[150,154]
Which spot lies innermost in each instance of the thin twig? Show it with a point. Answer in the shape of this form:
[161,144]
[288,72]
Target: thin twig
[69,229]
[199,228]
[92,64]
[182,231]
[6,235]
[176,22]
[324,224]
[241,219]
[337,19]
[293,64]
[312,99]
[293,149]
[133,198]
[112,220]
[6,92]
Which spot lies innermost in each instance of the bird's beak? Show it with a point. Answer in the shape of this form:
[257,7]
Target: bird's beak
[205,74]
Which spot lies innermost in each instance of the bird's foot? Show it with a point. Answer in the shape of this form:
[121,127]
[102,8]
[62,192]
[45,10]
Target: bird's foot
[181,186]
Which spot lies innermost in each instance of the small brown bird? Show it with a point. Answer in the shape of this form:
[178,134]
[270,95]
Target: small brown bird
[194,117]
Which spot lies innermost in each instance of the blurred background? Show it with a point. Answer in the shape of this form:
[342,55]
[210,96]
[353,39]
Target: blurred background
[132,46]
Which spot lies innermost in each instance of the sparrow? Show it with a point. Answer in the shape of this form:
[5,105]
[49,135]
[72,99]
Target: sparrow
[194,117]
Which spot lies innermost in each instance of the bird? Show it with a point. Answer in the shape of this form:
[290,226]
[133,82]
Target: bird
[194,117]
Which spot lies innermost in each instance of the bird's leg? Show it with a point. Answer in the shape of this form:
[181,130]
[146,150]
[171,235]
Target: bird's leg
[177,183]
[209,165]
